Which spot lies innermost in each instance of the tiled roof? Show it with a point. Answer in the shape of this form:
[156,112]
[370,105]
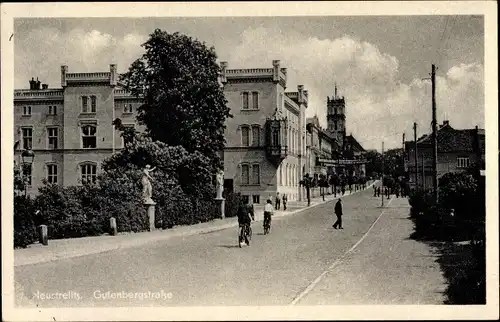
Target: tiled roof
[451,140]
[354,143]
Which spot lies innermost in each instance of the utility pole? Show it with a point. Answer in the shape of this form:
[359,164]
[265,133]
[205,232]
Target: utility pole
[434,135]
[416,156]
[383,161]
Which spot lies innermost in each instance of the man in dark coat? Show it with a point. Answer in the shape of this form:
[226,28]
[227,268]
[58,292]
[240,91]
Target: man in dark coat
[338,213]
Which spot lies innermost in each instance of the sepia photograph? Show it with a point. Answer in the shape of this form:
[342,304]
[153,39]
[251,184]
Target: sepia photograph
[264,160]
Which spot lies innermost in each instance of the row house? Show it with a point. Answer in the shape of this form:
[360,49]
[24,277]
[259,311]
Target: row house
[457,151]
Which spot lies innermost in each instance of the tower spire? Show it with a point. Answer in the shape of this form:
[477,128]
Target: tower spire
[336,90]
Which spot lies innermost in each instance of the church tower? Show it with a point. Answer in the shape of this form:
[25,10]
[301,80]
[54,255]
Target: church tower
[336,117]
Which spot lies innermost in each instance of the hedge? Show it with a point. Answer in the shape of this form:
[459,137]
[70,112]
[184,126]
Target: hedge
[24,222]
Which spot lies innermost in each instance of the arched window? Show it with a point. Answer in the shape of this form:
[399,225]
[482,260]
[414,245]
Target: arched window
[88,172]
[89,138]
[245,174]
[276,139]
[245,136]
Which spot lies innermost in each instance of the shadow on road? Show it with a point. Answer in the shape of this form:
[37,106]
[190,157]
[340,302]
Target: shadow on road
[228,246]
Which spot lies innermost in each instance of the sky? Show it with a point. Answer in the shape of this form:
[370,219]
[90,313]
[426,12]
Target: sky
[381,64]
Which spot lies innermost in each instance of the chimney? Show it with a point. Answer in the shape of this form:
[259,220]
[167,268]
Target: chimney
[446,122]
[223,66]
[38,83]
[276,71]
[113,76]
[64,71]
[45,86]
[32,83]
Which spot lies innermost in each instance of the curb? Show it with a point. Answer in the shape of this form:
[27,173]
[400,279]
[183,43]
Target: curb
[131,244]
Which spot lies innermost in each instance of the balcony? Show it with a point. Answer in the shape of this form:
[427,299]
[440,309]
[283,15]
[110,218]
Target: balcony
[276,138]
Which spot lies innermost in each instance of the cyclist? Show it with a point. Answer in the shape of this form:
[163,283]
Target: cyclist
[245,217]
[268,212]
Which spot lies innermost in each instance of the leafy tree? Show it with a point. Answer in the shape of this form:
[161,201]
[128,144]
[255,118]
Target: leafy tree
[18,180]
[183,103]
[458,191]
[192,171]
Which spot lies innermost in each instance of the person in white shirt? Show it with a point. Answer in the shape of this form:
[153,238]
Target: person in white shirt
[268,212]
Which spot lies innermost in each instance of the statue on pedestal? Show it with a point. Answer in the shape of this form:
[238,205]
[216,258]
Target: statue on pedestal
[147,188]
[219,184]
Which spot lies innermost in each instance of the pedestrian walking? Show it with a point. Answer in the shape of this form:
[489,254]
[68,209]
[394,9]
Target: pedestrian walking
[285,199]
[343,190]
[374,191]
[338,213]
[277,201]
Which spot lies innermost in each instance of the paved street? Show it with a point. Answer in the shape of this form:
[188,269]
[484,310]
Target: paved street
[302,261]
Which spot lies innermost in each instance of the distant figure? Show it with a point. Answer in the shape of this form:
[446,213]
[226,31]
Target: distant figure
[277,201]
[338,213]
[285,199]
[374,191]
[343,190]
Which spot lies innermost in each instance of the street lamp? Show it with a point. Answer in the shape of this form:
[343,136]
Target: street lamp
[28,156]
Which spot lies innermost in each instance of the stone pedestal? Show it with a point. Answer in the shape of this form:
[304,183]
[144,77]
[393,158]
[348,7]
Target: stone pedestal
[221,204]
[150,205]
[43,236]
[113,230]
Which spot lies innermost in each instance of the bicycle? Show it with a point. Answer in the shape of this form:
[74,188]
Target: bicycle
[245,230]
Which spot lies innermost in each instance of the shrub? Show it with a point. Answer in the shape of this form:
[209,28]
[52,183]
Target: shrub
[231,204]
[24,224]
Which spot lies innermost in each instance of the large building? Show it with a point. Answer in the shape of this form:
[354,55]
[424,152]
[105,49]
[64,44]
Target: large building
[70,128]
[265,139]
[457,151]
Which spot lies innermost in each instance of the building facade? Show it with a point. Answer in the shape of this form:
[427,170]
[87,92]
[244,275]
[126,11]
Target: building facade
[265,139]
[70,128]
[457,151]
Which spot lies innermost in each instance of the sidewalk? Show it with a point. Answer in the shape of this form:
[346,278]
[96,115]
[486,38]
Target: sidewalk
[76,247]
[386,268]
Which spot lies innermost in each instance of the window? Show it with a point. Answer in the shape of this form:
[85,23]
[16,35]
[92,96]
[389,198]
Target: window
[52,173]
[27,138]
[89,138]
[27,170]
[256,199]
[276,141]
[89,173]
[127,108]
[245,175]
[245,198]
[335,125]
[255,136]
[126,126]
[245,136]
[245,101]
[255,100]
[462,162]
[93,100]
[26,110]
[335,111]
[53,135]
[85,104]
[255,174]
[52,110]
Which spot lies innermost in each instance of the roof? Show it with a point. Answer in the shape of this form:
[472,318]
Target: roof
[354,143]
[451,140]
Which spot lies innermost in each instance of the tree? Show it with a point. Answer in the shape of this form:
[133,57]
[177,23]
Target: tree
[183,103]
